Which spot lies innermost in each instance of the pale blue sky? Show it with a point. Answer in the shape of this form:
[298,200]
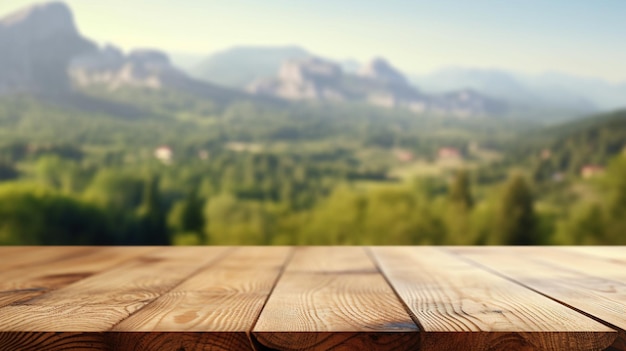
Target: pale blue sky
[581,37]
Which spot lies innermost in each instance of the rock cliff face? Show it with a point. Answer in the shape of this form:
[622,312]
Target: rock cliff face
[305,79]
[110,67]
[378,83]
[142,68]
[37,45]
[380,70]
[42,52]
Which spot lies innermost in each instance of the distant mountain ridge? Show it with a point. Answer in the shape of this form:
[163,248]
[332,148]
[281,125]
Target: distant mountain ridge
[377,83]
[49,56]
[550,90]
[43,53]
[239,66]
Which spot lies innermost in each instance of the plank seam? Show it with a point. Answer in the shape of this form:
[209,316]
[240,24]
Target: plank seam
[575,270]
[501,275]
[174,286]
[372,256]
[48,291]
[278,277]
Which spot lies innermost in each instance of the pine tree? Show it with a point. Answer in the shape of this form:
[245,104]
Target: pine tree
[152,216]
[460,194]
[515,222]
[186,216]
[460,203]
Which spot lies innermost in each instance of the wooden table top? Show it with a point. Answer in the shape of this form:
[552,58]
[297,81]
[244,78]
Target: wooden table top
[312,298]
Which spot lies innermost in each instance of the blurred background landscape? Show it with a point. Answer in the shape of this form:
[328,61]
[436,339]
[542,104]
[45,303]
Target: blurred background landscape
[180,123]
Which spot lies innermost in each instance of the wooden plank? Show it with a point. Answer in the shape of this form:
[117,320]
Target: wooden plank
[55,267]
[611,253]
[51,341]
[95,304]
[25,256]
[594,286]
[221,303]
[324,301]
[331,259]
[175,341]
[460,306]
[9,253]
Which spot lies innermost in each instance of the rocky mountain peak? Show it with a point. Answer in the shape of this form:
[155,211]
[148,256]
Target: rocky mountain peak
[37,44]
[381,70]
[149,57]
[41,20]
[110,67]
[312,68]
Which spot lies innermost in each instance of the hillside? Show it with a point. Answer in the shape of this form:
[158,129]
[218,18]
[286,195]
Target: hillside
[567,148]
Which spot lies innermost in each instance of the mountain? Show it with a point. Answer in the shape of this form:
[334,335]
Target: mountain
[141,68]
[380,70]
[37,45]
[547,91]
[315,78]
[44,54]
[350,65]
[239,66]
[605,95]
[377,83]
[494,82]
[304,79]
[110,67]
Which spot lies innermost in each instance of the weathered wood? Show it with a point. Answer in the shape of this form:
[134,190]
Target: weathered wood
[594,286]
[52,341]
[224,300]
[175,341]
[95,304]
[608,253]
[331,259]
[312,298]
[460,305]
[324,301]
[36,272]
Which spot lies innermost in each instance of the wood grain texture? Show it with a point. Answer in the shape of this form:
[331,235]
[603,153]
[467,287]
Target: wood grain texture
[97,303]
[36,272]
[175,341]
[331,259]
[594,286]
[312,298]
[224,299]
[457,303]
[611,253]
[320,305]
[52,341]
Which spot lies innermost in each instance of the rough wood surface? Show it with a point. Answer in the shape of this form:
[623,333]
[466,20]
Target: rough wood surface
[312,298]
[100,301]
[460,305]
[34,273]
[612,253]
[225,297]
[329,300]
[595,286]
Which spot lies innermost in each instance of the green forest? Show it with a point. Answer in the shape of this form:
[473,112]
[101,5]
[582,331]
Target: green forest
[157,167]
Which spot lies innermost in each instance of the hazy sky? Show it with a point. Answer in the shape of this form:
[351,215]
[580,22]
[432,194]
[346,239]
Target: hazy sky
[581,37]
